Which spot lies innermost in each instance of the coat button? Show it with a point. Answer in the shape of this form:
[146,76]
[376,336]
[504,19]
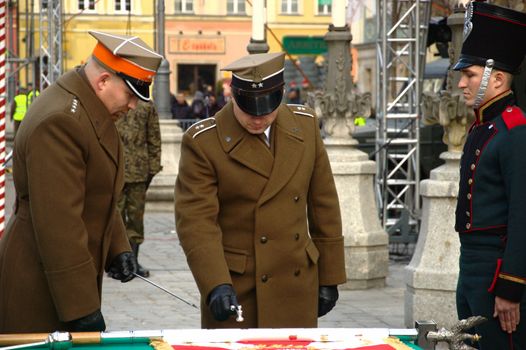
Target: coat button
[472,167]
[468,225]
[468,214]
[470,181]
[264,278]
[477,152]
[297,272]
[297,236]
[469,196]
[296,198]
[263,239]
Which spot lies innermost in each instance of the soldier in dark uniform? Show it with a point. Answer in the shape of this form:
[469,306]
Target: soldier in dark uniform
[256,207]
[491,207]
[65,230]
[141,138]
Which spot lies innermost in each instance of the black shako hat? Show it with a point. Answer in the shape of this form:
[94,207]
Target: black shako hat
[257,82]
[493,32]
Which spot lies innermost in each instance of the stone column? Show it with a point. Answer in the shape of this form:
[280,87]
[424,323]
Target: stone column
[160,195]
[366,243]
[431,276]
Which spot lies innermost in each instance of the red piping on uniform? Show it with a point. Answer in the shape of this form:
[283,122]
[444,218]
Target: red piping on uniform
[495,276]
[500,18]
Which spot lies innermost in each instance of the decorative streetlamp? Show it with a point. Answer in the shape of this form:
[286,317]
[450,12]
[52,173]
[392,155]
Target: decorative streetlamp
[258,42]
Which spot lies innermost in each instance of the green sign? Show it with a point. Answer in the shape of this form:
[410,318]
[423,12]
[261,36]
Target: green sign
[324,2]
[304,45]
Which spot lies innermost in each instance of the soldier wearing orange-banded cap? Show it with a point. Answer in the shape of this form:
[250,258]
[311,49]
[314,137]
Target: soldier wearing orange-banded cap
[65,230]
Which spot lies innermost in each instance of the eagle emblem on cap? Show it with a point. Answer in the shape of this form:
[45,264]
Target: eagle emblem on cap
[468,25]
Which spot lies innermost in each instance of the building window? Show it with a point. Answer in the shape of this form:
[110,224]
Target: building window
[184,6]
[324,9]
[289,7]
[122,5]
[87,5]
[235,7]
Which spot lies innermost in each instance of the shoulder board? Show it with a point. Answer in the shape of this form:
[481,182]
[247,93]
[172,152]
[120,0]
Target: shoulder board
[513,116]
[302,110]
[201,126]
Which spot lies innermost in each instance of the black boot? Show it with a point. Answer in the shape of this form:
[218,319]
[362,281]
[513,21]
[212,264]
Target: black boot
[141,271]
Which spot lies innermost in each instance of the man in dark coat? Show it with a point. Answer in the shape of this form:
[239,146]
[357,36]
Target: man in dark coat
[256,207]
[490,213]
[68,174]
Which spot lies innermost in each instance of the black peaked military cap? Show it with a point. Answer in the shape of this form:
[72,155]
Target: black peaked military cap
[493,32]
[257,82]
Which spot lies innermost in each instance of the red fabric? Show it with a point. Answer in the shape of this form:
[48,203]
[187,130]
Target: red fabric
[497,271]
[190,347]
[513,117]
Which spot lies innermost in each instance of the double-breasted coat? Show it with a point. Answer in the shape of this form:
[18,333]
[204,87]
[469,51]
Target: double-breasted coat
[264,219]
[65,229]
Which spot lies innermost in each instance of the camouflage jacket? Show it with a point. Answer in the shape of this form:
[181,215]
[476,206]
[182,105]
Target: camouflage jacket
[141,138]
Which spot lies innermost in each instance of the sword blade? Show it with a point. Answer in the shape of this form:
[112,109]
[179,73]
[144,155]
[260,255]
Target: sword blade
[165,290]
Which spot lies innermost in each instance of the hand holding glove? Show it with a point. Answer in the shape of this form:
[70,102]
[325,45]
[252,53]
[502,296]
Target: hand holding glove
[327,299]
[93,322]
[221,298]
[123,266]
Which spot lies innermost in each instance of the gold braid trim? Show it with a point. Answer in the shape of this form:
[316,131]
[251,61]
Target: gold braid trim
[396,343]
[159,344]
[511,278]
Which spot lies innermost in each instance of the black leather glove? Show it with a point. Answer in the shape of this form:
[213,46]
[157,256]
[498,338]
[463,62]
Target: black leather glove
[94,322]
[123,266]
[327,299]
[221,298]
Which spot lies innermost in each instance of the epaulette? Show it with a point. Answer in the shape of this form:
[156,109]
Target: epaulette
[302,110]
[201,126]
[513,116]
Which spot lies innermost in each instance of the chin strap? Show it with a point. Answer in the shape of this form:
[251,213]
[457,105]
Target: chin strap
[484,83]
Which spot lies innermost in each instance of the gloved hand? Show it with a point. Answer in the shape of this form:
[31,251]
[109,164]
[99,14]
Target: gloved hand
[93,322]
[123,266]
[327,299]
[220,300]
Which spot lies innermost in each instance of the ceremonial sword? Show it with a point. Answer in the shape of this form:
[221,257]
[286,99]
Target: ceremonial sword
[238,309]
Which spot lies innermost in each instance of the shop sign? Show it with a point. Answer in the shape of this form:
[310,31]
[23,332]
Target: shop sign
[305,45]
[196,44]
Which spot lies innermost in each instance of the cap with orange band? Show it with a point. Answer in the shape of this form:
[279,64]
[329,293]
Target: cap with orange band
[130,58]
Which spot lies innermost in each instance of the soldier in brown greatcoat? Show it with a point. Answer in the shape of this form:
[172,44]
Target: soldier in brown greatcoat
[256,207]
[67,169]
[141,138]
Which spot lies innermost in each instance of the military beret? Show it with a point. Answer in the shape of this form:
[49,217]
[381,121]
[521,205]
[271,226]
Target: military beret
[130,58]
[257,82]
[493,32]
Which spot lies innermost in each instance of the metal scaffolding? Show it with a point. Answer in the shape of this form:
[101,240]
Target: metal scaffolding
[50,35]
[401,48]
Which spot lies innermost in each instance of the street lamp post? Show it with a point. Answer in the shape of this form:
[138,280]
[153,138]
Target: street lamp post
[258,42]
[162,79]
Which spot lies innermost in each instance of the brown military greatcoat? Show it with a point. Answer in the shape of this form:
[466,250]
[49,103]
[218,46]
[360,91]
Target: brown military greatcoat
[64,231]
[266,220]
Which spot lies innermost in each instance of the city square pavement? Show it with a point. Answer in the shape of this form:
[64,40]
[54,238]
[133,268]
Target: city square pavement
[137,305]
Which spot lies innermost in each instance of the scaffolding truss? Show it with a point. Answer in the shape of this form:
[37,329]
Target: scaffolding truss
[401,49]
[50,34]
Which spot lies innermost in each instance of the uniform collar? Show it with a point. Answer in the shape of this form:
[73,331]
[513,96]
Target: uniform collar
[494,107]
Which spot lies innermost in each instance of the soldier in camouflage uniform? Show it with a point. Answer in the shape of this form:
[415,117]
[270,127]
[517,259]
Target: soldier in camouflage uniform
[141,137]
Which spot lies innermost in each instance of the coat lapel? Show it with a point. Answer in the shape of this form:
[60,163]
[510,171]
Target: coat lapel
[100,118]
[242,146]
[289,149]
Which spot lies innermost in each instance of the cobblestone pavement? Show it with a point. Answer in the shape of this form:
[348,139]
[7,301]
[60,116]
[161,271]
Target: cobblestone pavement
[139,305]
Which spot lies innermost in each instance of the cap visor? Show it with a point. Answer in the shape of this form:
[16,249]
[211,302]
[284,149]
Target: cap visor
[141,91]
[257,104]
[461,64]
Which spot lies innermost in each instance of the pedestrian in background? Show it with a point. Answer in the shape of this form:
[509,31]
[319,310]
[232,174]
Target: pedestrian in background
[198,106]
[256,207]
[21,103]
[180,108]
[141,137]
[68,175]
[490,213]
